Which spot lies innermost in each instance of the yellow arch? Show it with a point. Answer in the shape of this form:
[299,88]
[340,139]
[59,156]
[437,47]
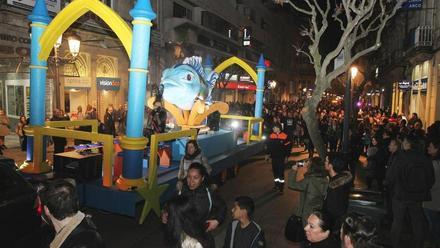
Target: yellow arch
[75,10]
[234,60]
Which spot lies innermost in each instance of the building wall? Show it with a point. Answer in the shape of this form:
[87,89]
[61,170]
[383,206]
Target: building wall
[272,37]
[413,60]
[97,40]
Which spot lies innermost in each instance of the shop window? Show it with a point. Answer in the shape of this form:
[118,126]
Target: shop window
[15,100]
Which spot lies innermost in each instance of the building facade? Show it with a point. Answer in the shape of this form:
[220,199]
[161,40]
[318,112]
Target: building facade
[410,61]
[242,28]
[101,55]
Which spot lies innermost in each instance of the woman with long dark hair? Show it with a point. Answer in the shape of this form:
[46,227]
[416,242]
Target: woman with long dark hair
[184,229]
[19,130]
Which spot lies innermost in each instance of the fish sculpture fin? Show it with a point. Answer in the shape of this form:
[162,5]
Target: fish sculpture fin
[212,78]
[196,63]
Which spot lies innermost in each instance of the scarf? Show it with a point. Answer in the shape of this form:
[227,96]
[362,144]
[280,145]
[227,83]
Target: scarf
[62,235]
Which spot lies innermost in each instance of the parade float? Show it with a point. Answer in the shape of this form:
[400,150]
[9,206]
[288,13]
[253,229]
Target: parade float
[186,92]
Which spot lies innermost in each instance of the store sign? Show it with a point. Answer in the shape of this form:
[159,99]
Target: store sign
[413,4]
[240,86]
[105,83]
[405,85]
[77,82]
[52,5]
[13,38]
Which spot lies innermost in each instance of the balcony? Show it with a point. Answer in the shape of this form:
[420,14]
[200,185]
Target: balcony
[419,44]
[421,37]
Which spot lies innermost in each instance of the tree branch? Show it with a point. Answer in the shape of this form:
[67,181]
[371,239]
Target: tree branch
[300,50]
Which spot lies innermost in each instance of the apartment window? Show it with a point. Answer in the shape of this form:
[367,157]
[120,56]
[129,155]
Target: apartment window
[181,12]
[219,25]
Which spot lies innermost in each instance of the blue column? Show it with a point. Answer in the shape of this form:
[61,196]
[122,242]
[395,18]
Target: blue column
[207,64]
[261,70]
[142,14]
[39,18]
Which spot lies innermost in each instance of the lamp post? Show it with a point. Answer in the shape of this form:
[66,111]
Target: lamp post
[347,109]
[272,84]
[74,43]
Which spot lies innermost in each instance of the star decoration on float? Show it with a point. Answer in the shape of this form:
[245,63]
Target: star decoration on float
[151,194]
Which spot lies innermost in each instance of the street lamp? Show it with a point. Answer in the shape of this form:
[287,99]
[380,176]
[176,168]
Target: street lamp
[271,84]
[347,109]
[74,43]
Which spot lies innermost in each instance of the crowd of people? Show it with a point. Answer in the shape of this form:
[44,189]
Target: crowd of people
[402,163]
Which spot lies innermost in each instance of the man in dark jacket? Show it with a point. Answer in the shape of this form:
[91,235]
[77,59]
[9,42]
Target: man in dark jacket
[243,232]
[72,227]
[411,177]
[336,201]
[278,148]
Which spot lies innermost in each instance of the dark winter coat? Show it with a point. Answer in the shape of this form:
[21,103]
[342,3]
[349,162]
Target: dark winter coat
[85,235]
[109,124]
[397,181]
[336,202]
[313,189]
[329,242]
[376,162]
[209,206]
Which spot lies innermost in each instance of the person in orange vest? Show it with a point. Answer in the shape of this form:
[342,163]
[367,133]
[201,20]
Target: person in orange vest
[278,149]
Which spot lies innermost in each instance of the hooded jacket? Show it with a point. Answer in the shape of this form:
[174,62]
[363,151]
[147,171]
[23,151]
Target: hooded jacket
[336,202]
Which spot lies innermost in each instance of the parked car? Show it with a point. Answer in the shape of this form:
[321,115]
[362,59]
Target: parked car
[20,209]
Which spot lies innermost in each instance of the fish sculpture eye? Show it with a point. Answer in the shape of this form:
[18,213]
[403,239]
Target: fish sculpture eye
[188,77]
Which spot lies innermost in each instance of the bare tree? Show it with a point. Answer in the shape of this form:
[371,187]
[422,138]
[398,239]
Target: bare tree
[357,20]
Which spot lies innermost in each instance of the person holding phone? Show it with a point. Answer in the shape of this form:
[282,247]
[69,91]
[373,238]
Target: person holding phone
[312,186]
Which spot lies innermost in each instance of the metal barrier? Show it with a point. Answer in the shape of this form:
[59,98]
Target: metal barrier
[251,122]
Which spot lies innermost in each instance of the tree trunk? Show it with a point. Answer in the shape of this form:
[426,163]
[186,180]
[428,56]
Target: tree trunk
[309,116]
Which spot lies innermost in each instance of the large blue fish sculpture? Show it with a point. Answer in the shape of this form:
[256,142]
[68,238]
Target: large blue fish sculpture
[185,83]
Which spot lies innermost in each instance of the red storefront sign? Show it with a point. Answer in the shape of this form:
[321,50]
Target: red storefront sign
[240,86]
